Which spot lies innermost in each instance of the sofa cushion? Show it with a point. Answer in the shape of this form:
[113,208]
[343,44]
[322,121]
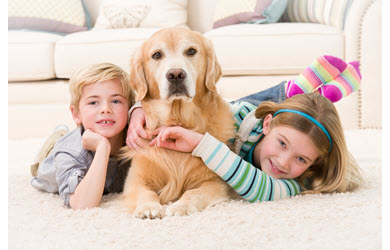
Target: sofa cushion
[79,50]
[61,16]
[143,14]
[31,55]
[121,15]
[269,49]
[230,12]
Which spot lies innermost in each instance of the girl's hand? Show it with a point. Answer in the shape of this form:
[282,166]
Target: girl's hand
[136,129]
[91,140]
[176,138]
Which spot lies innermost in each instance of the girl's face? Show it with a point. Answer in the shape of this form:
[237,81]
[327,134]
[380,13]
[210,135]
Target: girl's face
[284,152]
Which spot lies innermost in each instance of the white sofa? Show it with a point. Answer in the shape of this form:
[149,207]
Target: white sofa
[253,57]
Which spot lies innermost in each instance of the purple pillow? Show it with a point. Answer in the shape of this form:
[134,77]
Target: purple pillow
[230,12]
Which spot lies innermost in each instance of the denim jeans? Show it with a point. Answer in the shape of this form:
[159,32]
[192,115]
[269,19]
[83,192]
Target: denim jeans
[275,94]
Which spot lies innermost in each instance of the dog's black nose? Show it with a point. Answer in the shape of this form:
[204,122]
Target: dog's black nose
[176,76]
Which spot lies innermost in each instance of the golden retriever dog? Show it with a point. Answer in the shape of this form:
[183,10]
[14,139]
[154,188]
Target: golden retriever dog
[174,73]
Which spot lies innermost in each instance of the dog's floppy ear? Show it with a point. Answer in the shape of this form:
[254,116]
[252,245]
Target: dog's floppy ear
[137,75]
[213,70]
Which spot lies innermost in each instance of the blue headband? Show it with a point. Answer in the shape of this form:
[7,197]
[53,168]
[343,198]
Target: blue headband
[311,119]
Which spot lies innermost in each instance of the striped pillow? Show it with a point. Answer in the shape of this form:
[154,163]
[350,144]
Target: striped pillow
[330,12]
[230,12]
[60,16]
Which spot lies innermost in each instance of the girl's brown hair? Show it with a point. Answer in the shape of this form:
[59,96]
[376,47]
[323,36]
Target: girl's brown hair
[335,170]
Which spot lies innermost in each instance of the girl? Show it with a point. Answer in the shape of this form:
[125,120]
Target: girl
[286,148]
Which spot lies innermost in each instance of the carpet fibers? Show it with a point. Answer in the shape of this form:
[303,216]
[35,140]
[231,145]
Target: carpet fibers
[38,220]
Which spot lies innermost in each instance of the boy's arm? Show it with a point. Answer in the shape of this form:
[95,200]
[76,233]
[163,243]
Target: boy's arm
[89,191]
[248,181]
[136,130]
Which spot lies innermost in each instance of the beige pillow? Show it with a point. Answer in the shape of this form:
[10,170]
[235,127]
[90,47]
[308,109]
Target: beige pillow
[142,14]
[59,16]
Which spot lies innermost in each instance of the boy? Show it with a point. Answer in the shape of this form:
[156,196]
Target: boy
[82,165]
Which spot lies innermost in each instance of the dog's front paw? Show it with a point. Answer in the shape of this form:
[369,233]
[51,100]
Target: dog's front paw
[149,210]
[180,208]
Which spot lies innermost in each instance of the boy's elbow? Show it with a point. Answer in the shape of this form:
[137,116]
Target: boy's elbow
[76,204]
[81,207]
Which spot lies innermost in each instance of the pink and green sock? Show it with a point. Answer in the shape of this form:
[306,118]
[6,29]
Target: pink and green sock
[331,76]
[343,85]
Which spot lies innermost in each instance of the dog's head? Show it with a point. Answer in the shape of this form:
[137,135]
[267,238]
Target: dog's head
[174,63]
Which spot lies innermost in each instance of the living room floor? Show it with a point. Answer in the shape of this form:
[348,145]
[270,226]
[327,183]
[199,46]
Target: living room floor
[330,221]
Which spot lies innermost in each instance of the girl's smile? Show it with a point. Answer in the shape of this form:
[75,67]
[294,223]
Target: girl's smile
[275,169]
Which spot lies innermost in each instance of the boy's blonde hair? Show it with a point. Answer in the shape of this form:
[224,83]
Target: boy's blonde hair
[97,73]
[335,170]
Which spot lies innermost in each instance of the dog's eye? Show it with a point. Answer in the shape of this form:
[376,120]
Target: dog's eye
[156,55]
[191,52]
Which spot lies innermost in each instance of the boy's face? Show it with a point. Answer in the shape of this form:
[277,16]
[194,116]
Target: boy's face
[102,108]
[284,152]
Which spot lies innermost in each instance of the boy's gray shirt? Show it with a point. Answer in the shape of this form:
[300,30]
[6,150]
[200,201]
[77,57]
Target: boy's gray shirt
[67,165]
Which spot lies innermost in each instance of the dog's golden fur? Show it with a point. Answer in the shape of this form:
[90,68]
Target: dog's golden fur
[157,175]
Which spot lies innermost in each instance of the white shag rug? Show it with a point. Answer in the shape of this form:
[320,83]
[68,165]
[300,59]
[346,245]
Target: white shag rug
[38,220]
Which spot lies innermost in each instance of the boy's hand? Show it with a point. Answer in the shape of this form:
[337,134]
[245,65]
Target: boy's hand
[91,140]
[136,129]
[176,138]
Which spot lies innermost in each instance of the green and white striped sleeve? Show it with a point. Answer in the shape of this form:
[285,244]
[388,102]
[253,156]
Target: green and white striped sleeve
[248,181]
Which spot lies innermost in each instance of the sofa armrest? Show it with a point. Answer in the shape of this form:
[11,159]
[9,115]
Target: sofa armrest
[361,22]
[363,36]
[355,22]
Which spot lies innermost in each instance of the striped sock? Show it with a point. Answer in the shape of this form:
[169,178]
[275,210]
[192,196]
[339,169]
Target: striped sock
[343,85]
[323,69]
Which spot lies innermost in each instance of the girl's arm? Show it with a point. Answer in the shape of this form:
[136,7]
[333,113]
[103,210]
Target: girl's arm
[247,180]
[176,138]
[89,191]
[137,122]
